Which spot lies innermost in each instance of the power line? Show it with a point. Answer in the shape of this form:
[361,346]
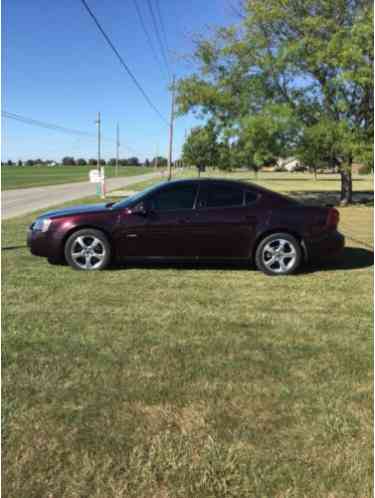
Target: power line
[147,34]
[55,127]
[157,32]
[158,11]
[123,63]
[43,124]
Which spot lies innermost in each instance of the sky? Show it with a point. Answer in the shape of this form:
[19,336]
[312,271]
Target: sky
[57,68]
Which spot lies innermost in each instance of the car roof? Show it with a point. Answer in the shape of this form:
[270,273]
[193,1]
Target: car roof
[210,180]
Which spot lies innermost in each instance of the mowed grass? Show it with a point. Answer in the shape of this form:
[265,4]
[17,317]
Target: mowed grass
[13,177]
[162,381]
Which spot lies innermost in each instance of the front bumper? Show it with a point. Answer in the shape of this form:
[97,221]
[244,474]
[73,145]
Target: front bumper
[326,248]
[40,243]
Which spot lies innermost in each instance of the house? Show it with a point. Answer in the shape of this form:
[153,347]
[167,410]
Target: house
[290,164]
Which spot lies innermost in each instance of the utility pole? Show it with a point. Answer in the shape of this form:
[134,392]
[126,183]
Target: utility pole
[171,132]
[100,169]
[117,146]
[157,157]
[185,138]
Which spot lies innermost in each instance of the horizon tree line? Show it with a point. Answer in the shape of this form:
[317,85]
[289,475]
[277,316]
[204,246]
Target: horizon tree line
[158,161]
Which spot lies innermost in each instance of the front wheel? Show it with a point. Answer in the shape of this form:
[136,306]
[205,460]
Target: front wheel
[278,254]
[88,249]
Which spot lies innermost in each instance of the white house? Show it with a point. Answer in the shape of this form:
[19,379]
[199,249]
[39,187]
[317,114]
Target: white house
[290,164]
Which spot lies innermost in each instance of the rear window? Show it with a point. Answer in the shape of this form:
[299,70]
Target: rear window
[220,195]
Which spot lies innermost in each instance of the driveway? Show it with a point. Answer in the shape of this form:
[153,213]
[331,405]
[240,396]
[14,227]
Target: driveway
[21,201]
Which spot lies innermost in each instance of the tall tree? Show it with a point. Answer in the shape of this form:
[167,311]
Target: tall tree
[133,161]
[312,59]
[68,161]
[201,147]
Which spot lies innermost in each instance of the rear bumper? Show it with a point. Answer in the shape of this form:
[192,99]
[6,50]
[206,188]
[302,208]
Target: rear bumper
[326,248]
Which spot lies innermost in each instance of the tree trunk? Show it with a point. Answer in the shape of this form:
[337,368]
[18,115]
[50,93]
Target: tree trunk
[346,184]
[315,173]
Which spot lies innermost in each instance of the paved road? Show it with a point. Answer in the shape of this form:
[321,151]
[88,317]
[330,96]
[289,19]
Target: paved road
[21,201]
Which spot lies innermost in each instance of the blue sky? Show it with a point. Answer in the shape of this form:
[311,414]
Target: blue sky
[57,68]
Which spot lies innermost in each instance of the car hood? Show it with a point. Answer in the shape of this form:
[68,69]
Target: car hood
[88,208]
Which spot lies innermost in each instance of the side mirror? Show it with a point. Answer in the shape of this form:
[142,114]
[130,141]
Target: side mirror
[139,209]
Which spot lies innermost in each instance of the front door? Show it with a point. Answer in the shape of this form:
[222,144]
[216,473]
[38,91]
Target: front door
[165,230]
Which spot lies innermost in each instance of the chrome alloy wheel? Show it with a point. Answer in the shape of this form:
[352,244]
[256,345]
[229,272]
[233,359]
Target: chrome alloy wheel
[279,255]
[88,252]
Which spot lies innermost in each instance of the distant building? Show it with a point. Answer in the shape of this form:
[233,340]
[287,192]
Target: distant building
[290,164]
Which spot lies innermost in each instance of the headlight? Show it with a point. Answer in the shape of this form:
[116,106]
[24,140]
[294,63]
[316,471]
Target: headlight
[42,224]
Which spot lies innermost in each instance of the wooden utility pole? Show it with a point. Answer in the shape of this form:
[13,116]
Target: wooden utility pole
[117,146]
[100,168]
[171,132]
[157,157]
[99,141]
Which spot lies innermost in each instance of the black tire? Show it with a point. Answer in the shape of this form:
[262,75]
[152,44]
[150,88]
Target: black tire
[93,246]
[56,261]
[278,254]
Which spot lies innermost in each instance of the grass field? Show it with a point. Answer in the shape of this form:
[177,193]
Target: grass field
[39,176]
[163,382]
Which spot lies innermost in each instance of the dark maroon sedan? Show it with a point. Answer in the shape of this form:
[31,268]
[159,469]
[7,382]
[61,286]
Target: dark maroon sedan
[199,219]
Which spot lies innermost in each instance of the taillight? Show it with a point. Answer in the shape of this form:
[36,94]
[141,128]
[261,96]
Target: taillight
[332,218]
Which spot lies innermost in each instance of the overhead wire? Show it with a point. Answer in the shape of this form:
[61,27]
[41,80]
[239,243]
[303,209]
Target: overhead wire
[148,37]
[123,63]
[161,22]
[56,127]
[158,37]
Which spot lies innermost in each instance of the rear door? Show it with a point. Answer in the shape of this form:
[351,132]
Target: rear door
[225,220]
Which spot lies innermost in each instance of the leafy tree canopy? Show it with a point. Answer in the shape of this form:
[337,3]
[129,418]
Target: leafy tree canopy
[289,70]
[201,147]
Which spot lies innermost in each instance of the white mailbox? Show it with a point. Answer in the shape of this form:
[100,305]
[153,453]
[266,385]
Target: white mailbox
[95,176]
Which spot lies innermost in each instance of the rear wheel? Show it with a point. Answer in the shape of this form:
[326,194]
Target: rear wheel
[278,254]
[88,249]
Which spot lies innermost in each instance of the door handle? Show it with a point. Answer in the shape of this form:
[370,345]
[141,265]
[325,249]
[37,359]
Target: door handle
[250,219]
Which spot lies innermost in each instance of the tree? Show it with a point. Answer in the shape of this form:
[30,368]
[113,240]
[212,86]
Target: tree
[159,161]
[93,162]
[10,162]
[133,161]
[147,163]
[19,162]
[112,162]
[81,162]
[201,147]
[30,162]
[123,162]
[311,59]
[68,161]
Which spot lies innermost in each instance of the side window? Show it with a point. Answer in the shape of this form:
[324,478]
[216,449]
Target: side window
[250,197]
[177,197]
[220,195]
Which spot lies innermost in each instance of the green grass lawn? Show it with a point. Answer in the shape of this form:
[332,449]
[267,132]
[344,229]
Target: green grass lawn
[39,176]
[163,382]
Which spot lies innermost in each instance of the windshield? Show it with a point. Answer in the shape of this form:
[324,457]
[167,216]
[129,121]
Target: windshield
[134,198]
